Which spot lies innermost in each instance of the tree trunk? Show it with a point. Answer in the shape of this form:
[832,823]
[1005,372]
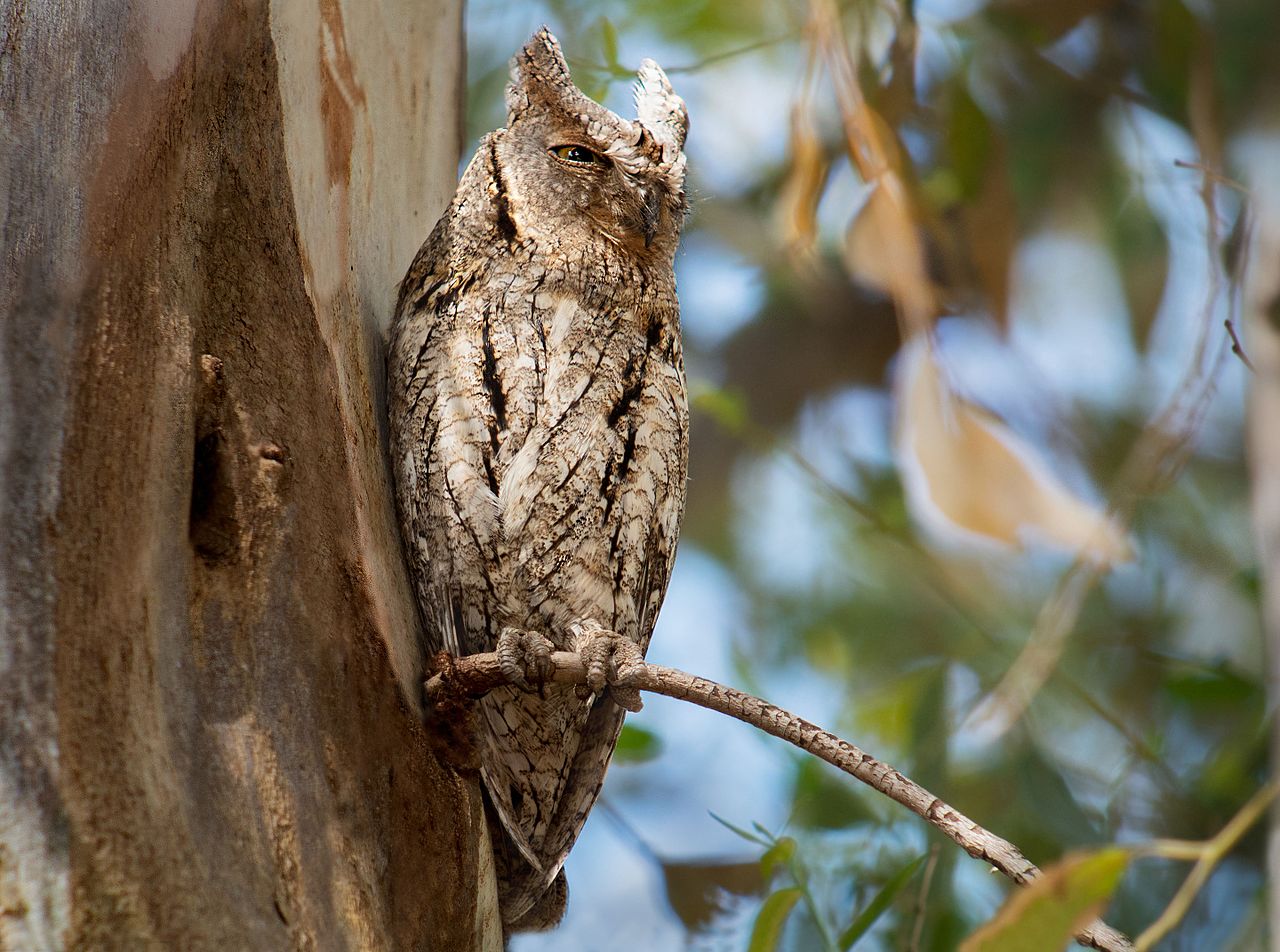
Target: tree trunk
[1262,313]
[209,677]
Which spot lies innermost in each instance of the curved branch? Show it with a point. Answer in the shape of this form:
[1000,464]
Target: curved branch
[477,674]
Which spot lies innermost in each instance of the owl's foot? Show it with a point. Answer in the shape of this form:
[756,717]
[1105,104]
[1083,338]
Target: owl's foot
[612,661]
[525,656]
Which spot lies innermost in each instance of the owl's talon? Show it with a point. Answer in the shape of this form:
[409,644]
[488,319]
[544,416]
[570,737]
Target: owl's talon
[626,698]
[612,662]
[525,655]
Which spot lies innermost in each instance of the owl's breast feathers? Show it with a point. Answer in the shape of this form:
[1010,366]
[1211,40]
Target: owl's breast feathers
[555,433]
[541,443]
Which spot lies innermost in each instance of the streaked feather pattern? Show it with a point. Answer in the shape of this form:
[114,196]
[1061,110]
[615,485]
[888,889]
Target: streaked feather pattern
[539,426]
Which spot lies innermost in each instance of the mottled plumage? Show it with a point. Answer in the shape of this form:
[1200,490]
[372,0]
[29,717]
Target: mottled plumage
[539,427]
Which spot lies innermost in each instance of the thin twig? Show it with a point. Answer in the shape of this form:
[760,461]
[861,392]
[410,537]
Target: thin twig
[477,674]
[1236,347]
[952,595]
[613,72]
[1211,853]
[917,928]
[1212,174]
[1160,452]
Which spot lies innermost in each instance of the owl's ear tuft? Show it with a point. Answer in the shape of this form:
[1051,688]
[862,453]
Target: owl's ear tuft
[541,85]
[539,74]
[660,110]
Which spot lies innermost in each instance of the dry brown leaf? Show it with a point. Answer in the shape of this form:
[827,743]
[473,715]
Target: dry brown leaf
[873,145]
[869,246]
[802,190]
[883,250]
[967,475]
[883,246]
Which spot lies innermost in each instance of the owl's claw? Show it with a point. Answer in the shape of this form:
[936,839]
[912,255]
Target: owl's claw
[525,656]
[611,660]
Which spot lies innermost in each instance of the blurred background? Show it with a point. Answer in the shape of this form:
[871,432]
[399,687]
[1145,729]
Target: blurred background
[967,480]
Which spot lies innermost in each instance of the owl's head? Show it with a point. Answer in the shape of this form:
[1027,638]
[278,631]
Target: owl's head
[577,174]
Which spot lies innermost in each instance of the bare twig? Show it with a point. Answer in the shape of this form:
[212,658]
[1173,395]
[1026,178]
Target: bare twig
[477,674]
[1207,856]
[1236,347]
[917,928]
[1159,454]
[1213,174]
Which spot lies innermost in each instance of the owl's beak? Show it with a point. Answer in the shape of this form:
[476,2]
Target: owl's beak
[650,213]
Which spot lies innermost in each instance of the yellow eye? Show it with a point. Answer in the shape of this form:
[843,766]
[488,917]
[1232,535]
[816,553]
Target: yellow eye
[577,154]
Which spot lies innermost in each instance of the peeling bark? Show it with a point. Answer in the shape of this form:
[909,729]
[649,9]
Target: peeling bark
[209,718]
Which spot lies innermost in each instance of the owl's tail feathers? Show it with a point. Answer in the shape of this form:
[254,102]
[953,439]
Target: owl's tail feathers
[527,903]
[546,911]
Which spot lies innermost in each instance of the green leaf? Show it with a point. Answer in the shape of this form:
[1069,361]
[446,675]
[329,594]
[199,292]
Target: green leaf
[968,138]
[771,918]
[1247,581]
[1212,686]
[726,407]
[609,42]
[745,834]
[779,854]
[595,86]
[1045,914]
[636,745]
[1142,251]
[881,902]
[1166,70]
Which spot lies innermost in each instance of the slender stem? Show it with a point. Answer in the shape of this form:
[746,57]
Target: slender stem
[1211,853]
[801,877]
[477,674]
[917,929]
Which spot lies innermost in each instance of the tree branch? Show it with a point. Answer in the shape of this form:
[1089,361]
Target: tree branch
[477,674]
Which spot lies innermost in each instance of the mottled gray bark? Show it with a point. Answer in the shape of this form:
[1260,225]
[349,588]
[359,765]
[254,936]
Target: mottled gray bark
[209,719]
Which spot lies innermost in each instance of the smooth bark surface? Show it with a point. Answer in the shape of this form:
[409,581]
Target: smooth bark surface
[1262,344]
[209,718]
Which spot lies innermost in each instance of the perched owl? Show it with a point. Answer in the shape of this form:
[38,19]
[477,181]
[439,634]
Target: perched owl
[539,434]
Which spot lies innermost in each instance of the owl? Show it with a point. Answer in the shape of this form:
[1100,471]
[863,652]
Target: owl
[539,439]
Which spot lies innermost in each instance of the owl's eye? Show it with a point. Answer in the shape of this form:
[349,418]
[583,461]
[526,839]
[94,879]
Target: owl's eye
[577,154]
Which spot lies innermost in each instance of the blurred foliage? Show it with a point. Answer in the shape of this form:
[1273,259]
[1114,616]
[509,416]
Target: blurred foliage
[1020,129]
[636,745]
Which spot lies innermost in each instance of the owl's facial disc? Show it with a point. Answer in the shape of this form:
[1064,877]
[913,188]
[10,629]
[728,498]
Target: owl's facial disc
[651,199]
[583,184]
[619,180]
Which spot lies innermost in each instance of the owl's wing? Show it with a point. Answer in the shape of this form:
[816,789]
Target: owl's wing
[600,733]
[441,447]
[667,473]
